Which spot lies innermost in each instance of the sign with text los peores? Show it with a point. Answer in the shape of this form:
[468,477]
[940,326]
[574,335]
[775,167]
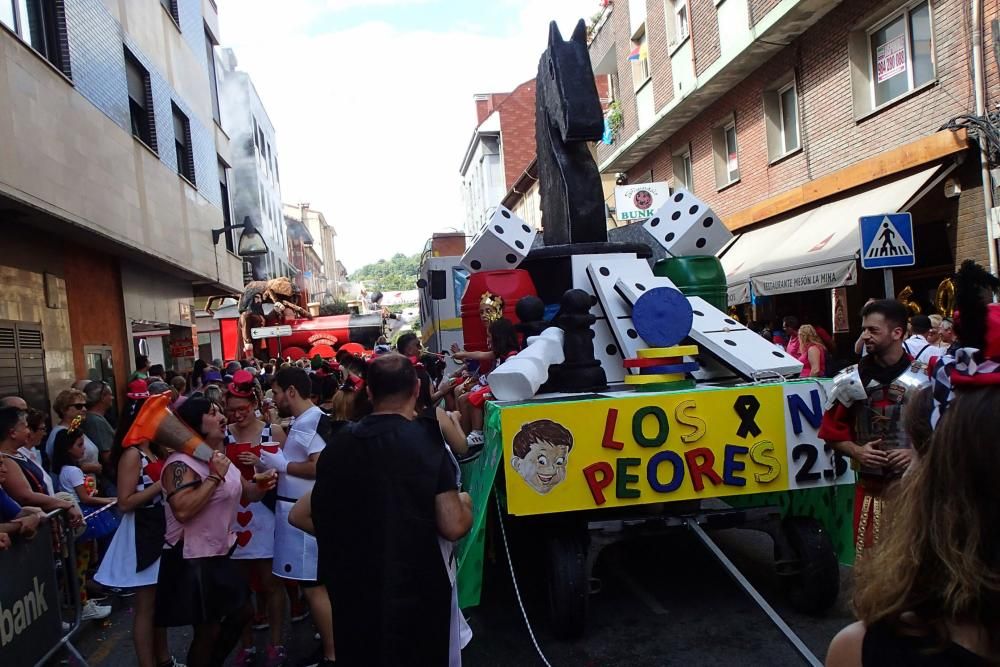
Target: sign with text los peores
[29,606]
[640,201]
[653,448]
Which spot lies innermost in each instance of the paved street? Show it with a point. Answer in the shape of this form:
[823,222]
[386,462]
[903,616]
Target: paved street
[661,602]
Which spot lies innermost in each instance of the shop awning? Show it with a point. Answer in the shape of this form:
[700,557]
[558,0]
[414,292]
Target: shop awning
[816,249]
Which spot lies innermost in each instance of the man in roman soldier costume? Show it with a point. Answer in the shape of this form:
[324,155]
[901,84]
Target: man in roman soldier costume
[863,418]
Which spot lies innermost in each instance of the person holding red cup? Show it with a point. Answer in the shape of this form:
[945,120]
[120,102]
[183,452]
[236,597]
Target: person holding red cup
[254,525]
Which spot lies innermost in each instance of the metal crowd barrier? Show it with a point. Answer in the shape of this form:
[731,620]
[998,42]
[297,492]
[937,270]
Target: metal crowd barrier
[38,581]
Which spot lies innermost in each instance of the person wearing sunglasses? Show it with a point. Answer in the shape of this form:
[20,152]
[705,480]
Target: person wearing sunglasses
[70,404]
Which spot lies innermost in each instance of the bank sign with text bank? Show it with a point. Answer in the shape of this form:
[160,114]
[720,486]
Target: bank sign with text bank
[635,449]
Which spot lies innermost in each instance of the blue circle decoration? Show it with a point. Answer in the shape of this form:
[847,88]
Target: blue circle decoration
[662,316]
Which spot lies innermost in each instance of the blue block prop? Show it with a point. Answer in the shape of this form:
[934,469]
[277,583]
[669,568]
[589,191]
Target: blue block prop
[662,317]
[688,367]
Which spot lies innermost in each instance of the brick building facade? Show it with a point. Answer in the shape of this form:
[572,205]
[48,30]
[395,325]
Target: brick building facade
[797,111]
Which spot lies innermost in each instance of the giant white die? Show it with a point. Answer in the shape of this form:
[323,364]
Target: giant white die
[502,243]
[686,225]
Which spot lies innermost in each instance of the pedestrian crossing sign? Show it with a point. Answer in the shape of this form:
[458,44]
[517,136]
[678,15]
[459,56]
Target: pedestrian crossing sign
[887,241]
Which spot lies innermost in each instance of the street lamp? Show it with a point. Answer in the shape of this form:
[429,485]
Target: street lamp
[251,242]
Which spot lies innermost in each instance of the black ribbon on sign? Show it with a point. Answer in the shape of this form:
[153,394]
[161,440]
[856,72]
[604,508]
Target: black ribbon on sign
[746,408]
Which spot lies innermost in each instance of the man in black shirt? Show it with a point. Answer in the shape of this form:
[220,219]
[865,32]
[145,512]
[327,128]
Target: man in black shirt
[385,490]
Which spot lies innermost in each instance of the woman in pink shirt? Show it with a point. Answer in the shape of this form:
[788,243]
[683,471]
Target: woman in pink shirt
[812,352]
[198,584]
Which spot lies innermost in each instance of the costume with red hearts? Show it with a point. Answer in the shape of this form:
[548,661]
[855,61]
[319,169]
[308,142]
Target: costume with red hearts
[254,524]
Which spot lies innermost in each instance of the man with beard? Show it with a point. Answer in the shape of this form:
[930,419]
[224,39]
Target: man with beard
[864,421]
[295,552]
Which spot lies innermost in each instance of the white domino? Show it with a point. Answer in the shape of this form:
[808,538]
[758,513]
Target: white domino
[734,345]
[635,273]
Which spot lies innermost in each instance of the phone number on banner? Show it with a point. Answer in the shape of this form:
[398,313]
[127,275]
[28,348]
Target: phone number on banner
[653,448]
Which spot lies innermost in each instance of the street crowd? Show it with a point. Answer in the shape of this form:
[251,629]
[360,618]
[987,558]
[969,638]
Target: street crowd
[334,485]
[231,544]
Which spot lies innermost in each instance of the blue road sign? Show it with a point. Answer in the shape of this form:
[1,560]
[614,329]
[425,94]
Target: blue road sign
[887,241]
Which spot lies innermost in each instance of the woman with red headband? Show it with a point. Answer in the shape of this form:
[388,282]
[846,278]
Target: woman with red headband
[254,525]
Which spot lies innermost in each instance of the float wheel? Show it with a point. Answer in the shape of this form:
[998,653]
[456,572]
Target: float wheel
[568,583]
[812,583]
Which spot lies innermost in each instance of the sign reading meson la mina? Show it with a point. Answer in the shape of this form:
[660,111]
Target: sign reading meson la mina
[653,448]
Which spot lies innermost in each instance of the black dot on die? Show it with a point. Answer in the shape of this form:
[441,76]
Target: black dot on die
[511,258]
[526,228]
[676,216]
[476,264]
[778,354]
[520,246]
[632,333]
[698,313]
[611,349]
[669,237]
[604,271]
[693,209]
[288,567]
[640,287]
[498,228]
[679,196]
[708,222]
[731,343]
[505,213]
[654,222]
[700,243]
[729,321]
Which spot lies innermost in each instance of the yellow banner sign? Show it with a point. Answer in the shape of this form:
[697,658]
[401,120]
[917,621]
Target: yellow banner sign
[650,448]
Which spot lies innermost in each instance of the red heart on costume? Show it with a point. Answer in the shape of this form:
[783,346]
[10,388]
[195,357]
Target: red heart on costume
[243,537]
[244,502]
[243,518]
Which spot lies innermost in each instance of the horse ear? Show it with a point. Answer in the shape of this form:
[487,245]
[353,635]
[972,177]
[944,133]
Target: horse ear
[580,33]
[555,37]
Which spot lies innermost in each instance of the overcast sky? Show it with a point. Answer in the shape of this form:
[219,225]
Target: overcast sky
[372,101]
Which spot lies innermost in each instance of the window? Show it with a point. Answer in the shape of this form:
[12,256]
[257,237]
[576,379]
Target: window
[727,167]
[170,6]
[182,144]
[640,62]
[683,170]
[892,58]
[676,12]
[140,101]
[213,82]
[226,210]
[42,24]
[781,118]
[900,54]
[7,14]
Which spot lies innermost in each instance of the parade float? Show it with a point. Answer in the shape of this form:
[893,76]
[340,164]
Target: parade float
[635,408]
[271,322]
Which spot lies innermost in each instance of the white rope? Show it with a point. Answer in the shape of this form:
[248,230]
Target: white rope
[517,590]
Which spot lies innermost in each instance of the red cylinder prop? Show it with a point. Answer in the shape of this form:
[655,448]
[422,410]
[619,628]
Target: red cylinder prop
[509,285]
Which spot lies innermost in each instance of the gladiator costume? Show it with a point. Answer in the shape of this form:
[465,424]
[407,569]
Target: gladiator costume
[866,403]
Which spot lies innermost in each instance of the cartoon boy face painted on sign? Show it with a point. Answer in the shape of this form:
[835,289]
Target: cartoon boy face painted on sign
[541,451]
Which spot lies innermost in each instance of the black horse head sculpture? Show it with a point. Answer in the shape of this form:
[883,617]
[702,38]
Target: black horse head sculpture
[567,116]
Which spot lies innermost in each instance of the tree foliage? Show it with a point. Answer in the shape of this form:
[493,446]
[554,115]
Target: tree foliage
[399,272]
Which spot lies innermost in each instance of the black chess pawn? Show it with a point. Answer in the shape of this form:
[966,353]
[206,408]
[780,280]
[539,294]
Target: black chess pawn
[580,371]
[531,311]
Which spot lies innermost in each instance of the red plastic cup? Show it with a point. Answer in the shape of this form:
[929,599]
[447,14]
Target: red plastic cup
[232,453]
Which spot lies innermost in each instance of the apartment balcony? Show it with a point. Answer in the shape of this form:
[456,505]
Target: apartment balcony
[744,47]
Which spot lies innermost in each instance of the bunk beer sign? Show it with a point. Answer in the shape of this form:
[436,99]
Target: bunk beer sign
[640,201]
[652,448]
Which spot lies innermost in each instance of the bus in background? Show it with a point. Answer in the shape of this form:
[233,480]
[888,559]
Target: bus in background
[442,283]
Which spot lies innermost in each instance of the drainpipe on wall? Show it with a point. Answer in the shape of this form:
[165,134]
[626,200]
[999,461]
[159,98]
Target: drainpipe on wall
[979,87]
